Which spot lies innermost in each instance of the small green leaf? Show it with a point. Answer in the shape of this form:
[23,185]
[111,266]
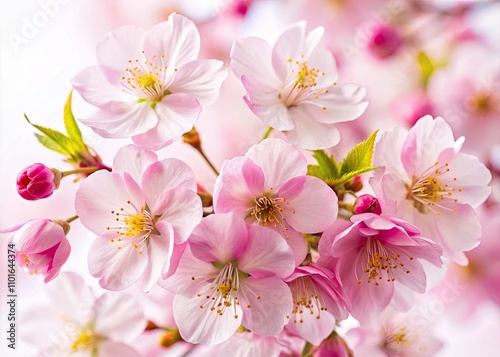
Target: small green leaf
[349,176]
[426,66]
[51,144]
[71,125]
[360,157]
[327,163]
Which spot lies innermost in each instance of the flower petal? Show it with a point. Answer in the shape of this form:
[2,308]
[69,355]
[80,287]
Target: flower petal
[265,304]
[279,161]
[164,175]
[240,180]
[118,317]
[182,209]
[312,329]
[219,238]
[95,89]
[133,160]
[202,325]
[159,251]
[60,257]
[177,40]
[266,254]
[202,79]
[176,113]
[311,204]
[110,348]
[290,44]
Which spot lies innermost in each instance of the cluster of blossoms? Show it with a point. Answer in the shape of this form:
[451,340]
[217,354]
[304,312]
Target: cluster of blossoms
[277,253]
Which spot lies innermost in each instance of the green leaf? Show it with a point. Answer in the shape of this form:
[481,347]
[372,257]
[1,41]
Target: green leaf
[51,144]
[71,125]
[426,66]
[327,163]
[360,157]
[349,176]
[62,140]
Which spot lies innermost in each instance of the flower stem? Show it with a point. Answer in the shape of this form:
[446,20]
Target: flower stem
[266,134]
[306,352]
[82,170]
[202,153]
[71,219]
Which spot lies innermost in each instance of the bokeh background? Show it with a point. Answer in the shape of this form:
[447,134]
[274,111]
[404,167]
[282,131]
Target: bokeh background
[414,57]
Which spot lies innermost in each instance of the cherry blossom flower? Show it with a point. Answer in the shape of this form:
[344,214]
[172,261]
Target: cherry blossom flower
[41,246]
[395,334]
[318,300]
[292,86]
[141,212]
[77,323]
[149,86]
[269,186]
[373,256]
[431,184]
[231,275]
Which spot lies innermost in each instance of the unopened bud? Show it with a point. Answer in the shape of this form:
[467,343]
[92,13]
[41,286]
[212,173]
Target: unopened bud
[366,204]
[37,181]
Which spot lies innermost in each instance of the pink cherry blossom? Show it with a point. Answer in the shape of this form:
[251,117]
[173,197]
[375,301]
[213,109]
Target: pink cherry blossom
[231,275]
[41,246]
[142,212]
[319,301]
[395,334]
[430,184]
[269,186]
[292,86]
[37,181]
[75,322]
[149,85]
[374,256]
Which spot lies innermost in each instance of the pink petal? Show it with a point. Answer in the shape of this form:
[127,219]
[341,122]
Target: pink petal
[345,241]
[164,175]
[202,79]
[177,39]
[133,160]
[60,257]
[240,180]
[251,57]
[415,279]
[159,251]
[296,241]
[95,89]
[265,304]
[266,254]
[425,141]
[290,44]
[310,134]
[38,235]
[123,121]
[117,49]
[388,142]
[264,102]
[279,161]
[329,236]
[176,115]
[182,209]
[117,269]
[182,281]
[311,204]
[202,325]
[70,294]
[118,317]
[109,348]
[312,329]
[177,253]
[341,103]
[99,195]
[219,238]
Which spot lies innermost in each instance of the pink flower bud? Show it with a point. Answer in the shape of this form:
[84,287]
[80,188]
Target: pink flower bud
[37,181]
[333,346]
[365,204]
[41,246]
[384,42]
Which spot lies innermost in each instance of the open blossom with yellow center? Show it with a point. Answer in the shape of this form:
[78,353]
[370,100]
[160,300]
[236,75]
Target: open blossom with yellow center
[293,87]
[139,214]
[231,274]
[78,323]
[149,85]
[374,256]
[432,185]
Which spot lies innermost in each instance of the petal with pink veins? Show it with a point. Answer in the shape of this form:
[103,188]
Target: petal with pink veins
[201,79]
[266,303]
[311,204]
